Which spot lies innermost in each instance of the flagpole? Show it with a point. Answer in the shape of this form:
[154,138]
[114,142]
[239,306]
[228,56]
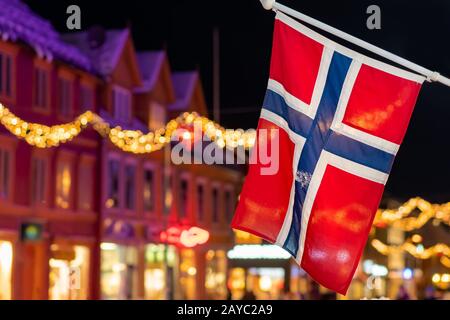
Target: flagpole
[431,76]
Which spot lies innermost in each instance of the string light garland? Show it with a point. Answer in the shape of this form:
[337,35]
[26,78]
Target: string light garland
[417,251]
[43,136]
[400,217]
[134,141]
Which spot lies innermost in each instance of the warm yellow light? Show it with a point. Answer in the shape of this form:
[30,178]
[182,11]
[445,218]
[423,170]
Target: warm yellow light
[187,135]
[192,271]
[416,238]
[436,278]
[133,141]
[265,283]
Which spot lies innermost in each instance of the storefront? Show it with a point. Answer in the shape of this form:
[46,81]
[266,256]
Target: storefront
[119,271]
[161,264]
[69,272]
[215,274]
[6,267]
[258,272]
[187,276]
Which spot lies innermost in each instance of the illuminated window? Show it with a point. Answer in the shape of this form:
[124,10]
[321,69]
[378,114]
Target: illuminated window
[6,259]
[6,75]
[39,180]
[85,185]
[188,272]
[5,167]
[65,96]
[121,104]
[215,205]
[200,202]
[160,264]
[63,184]
[113,184]
[41,87]
[119,271]
[130,186]
[149,191]
[184,186]
[86,98]
[69,272]
[215,279]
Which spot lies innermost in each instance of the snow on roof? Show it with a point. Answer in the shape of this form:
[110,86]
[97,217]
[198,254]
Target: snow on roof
[19,23]
[184,86]
[105,57]
[150,65]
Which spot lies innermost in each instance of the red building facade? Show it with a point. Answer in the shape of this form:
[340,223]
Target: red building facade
[98,212]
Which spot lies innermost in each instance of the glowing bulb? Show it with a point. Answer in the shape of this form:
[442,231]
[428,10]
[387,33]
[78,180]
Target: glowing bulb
[436,278]
[187,135]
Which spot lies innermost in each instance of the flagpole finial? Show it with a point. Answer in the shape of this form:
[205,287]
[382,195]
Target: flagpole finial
[267,4]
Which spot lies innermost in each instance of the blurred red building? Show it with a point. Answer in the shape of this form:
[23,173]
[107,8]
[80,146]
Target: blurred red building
[83,220]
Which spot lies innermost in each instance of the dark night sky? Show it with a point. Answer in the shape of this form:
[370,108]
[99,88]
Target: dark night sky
[416,30]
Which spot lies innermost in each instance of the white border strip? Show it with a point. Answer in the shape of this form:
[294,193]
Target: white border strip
[284,231]
[325,159]
[354,133]
[299,143]
[348,52]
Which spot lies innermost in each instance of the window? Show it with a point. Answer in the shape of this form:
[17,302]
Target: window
[200,202]
[41,87]
[157,116]
[63,184]
[39,180]
[6,269]
[215,205]
[65,97]
[119,271]
[6,75]
[184,185]
[121,104]
[167,192]
[5,167]
[229,205]
[130,181]
[149,191]
[86,98]
[85,185]
[113,184]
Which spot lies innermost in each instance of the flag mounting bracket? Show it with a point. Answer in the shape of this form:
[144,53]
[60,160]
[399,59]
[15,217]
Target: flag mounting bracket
[432,76]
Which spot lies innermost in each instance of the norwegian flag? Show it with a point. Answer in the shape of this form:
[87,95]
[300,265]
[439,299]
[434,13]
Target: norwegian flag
[341,118]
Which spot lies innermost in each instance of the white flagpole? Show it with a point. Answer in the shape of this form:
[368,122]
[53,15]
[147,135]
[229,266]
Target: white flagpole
[431,75]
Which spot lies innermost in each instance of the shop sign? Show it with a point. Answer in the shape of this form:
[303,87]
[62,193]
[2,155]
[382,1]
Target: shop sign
[257,251]
[31,231]
[188,237]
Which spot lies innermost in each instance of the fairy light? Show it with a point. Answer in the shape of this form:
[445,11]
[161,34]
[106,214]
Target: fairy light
[133,141]
[417,251]
[42,136]
[400,217]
